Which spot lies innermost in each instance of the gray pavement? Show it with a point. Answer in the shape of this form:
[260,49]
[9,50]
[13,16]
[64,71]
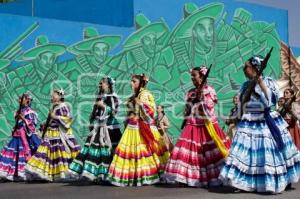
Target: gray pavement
[19,190]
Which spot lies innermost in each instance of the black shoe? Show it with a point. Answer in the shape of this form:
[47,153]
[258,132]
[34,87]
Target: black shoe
[180,184]
[289,187]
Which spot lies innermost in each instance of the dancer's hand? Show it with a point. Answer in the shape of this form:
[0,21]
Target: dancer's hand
[100,104]
[137,101]
[53,116]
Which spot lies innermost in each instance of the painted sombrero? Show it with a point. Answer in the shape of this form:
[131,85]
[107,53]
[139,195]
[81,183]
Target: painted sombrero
[90,37]
[4,63]
[144,27]
[42,45]
[192,15]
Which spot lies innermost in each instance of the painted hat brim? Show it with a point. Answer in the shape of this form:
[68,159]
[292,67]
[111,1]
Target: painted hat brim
[57,49]
[158,28]
[84,47]
[184,29]
[4,63]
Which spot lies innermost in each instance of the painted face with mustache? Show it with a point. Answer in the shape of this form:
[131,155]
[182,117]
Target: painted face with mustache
[100,51]
[203,32]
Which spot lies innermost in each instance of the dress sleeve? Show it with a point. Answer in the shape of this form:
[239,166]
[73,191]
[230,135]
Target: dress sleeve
[210,98]
[147,106]
[166,122]
[31,121]
[272,92]
[64,118]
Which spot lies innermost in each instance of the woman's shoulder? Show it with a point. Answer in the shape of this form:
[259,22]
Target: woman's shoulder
[111,95]
[145,92]
[190,93]
[63,105]
[29,110]
[208,89]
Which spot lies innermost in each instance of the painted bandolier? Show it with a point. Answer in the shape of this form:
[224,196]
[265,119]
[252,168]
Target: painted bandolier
[199,153]
[59,146]
[141,155]
[23,144]
[263,157]
[96,155]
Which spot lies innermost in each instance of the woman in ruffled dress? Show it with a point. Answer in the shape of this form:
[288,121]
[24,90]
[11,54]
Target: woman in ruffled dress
[199,153]
[23,144]
[263,157]
[141,155]
[93,161]
[59,146]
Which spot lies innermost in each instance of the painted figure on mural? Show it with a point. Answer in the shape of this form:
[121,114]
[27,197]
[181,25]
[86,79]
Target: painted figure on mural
[196,35]
[41,72]
[42,60]
[240,40]
[91,62]
[92,53]
[145,51]
[11,86]
[193,42]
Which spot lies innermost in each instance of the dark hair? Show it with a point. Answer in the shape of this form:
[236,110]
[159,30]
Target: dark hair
[163,109]
[198,69]
[142,84]
[290,90]
[110,85]
[28,97]
[255,61]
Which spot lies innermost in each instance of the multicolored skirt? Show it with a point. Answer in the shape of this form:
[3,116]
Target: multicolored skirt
[94,160]
[13,157]
[256,164]
[196,160]
[134,163]
[52,158]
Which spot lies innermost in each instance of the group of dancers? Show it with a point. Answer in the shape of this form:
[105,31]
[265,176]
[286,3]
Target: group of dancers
[261,155]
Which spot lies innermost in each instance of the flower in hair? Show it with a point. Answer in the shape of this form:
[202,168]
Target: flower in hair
[203,70]
[145,78]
